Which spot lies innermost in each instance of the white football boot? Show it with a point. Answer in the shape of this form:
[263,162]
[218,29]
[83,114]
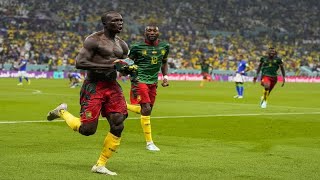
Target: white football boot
[102,170]
[152,147]
[264,104]
[55,113]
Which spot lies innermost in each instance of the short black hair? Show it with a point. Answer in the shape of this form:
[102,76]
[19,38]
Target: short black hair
[104,16]
[151,25]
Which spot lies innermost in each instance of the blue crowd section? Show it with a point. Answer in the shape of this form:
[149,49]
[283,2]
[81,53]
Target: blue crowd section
[304,70]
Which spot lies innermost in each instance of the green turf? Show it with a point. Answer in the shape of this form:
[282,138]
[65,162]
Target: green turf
[203,133]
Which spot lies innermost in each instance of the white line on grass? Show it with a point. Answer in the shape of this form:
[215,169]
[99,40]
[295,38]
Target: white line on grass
[176,117]
[36,92]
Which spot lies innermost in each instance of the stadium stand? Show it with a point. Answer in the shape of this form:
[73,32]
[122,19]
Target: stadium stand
[52,32]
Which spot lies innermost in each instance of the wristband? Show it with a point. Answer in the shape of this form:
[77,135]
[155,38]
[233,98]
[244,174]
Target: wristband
[165,77]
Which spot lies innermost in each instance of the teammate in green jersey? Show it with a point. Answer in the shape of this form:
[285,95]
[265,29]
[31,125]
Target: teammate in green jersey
[205,70]
[269,65]
[150,56]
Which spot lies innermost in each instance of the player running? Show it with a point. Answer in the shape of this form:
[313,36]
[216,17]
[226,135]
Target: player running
[205,70]
[269,66]
[100,93]
[150,56]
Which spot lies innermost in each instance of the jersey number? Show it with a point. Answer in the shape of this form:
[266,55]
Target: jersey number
[154,60]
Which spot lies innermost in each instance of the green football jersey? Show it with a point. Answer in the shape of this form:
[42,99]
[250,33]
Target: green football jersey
[205,67]
[149,60]
[270,66]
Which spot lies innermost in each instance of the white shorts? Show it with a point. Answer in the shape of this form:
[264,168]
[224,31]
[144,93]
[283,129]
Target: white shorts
[238,78]
[22,74]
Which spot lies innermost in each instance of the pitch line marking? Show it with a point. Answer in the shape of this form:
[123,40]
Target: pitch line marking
[178,117]
[36,92]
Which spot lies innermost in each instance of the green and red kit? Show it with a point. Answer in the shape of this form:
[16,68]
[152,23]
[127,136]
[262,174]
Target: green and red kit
[149,59]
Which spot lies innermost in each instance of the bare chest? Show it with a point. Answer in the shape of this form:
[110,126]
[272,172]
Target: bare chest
[110,49]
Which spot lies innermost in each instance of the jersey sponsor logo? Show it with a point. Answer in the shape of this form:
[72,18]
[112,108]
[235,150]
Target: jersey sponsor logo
[163,52]
[138,98]
[144,52]
[88,114]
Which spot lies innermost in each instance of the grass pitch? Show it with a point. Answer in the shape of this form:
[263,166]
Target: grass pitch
[203,133]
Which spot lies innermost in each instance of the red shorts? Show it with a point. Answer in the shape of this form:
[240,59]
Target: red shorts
[101,97]
[206,76]
[143,93]
[268,80]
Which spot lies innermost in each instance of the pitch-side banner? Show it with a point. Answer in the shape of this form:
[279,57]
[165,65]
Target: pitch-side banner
[226,78]
[172,77]
[34,74]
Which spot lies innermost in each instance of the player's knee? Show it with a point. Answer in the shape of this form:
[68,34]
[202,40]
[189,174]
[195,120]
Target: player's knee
[117,129]
[146,110]
[88,129]
[116,123]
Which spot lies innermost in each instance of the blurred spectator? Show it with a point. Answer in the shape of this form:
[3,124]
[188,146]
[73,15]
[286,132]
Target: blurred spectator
[52,31]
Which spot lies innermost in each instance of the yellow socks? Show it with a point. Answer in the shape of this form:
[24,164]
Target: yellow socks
[111,142]
[146,126]
[145,121]
[71,120]
[265,94]
[134,108]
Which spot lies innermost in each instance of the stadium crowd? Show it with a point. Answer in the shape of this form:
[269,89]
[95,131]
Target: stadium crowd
[52,31]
